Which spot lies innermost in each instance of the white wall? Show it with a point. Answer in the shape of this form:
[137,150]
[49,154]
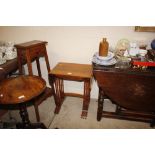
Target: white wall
[73,44]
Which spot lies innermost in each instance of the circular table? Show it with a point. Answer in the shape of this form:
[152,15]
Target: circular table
[18,92]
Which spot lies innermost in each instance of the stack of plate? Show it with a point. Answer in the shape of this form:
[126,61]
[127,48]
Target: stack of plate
[10,56]
[105,61]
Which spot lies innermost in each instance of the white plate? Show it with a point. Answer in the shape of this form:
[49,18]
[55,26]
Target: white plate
[13,56]
[104,63]
[108,57]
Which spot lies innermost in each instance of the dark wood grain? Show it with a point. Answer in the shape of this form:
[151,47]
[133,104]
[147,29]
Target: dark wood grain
[21,89]
[6,70]
[17,92]
[30,44]
[30,51]
[130,89]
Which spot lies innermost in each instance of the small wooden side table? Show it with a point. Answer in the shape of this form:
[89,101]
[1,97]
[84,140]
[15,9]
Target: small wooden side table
[17,92]
[71,72]
[29,52]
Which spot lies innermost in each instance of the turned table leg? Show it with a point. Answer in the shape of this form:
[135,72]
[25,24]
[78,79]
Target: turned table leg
[26,124]
[24,116]
[100,104]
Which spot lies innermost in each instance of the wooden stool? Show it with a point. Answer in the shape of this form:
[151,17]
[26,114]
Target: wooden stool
[17,92]
[72,72]
[29,52]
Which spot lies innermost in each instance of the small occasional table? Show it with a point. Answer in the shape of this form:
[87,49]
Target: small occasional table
[18,92]
[71,72]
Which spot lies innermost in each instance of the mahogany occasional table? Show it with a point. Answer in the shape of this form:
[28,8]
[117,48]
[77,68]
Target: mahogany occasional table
[132,90]
[18,92]
[71,72]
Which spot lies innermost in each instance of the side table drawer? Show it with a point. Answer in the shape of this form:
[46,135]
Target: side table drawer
[37,51]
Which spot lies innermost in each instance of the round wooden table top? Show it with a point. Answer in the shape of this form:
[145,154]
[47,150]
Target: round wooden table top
[20,89]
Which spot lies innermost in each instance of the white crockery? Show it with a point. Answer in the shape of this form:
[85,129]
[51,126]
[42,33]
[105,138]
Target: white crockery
[9,44]
[106,61]
[10,55]
[142,52]
[108,57]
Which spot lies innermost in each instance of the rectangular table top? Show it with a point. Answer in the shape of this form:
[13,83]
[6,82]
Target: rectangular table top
[72,69]
[30,44]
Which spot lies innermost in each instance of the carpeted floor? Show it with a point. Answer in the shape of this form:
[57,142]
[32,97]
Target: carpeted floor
[69,116]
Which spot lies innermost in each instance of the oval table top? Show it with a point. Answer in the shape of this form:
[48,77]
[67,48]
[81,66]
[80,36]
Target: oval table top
[20,89]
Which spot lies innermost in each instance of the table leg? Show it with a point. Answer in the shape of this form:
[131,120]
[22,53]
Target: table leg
[24,116]
[25,120]
[86,98]
[152,124]
[57,86]
[100,104]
